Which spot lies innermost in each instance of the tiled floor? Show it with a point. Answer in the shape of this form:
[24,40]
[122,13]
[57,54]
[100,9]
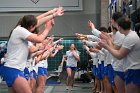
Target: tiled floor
[59,88]
[78,88]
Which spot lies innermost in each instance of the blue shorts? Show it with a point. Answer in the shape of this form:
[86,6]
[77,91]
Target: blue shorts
[132,76]
[10,75]
[94,70]
[99,74]
[34,74]
[27,74]
[105,71]
[42,71]
[111,74]
[102,69]
[1,68]
[73,68]
[120,74]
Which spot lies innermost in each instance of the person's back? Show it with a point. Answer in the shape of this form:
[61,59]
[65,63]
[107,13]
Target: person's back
[17,49]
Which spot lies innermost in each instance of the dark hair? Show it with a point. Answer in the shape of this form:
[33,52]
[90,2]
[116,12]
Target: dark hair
[116,16]
[36,30]
[104,29]
[28,21]
[74,45]
[124,23]
[114,28]
[109,29]
[18,23]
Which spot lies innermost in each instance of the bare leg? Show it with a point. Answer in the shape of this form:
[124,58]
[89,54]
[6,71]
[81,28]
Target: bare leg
[114,89]
[108,85]
[69,73]
[105,87]
[33,84]
[72,77]
[98,86]
[21,85]
[132,88]
[11,90]
[102,86]
[120,85]
[40,84]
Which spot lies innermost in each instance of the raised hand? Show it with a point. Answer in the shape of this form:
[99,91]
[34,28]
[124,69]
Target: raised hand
[80,36]
[86,47]
[94,50]
[51,38]
[104,35]
[83,41]
[91,25]
[59,40]
[59,11]
[49,24]
[59,47]
[103,43]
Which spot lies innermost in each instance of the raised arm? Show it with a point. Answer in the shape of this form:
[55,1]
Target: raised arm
[39,38]
[58,48]
[47,13]
[42,18]
[94,30]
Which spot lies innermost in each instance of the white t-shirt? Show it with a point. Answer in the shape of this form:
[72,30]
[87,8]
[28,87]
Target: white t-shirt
[94,58]
[17,49]
[96,32]
[29,64]
[29,59]
[71,60]
[93,38]
[101,55]
[108,57]
[132,42]
[90,43]
[46,63]
[118,40]
[43,63]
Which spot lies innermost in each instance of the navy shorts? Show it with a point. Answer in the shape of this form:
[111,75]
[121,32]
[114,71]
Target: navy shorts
[1,68]
[73,68]
[120,74]
[132,76]
[105,71]
[102,69]
[94,70]
[99,73]
[10,75]
[27,74]
[111,74]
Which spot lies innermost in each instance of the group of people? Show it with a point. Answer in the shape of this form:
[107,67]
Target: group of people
[115,56]
[25,64]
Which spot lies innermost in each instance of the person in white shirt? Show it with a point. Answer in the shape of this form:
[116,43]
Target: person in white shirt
[117,40]
[43,67]
[94,56]
[17,51]
[71,65]
[129,52]
[108,80]
[116,73]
